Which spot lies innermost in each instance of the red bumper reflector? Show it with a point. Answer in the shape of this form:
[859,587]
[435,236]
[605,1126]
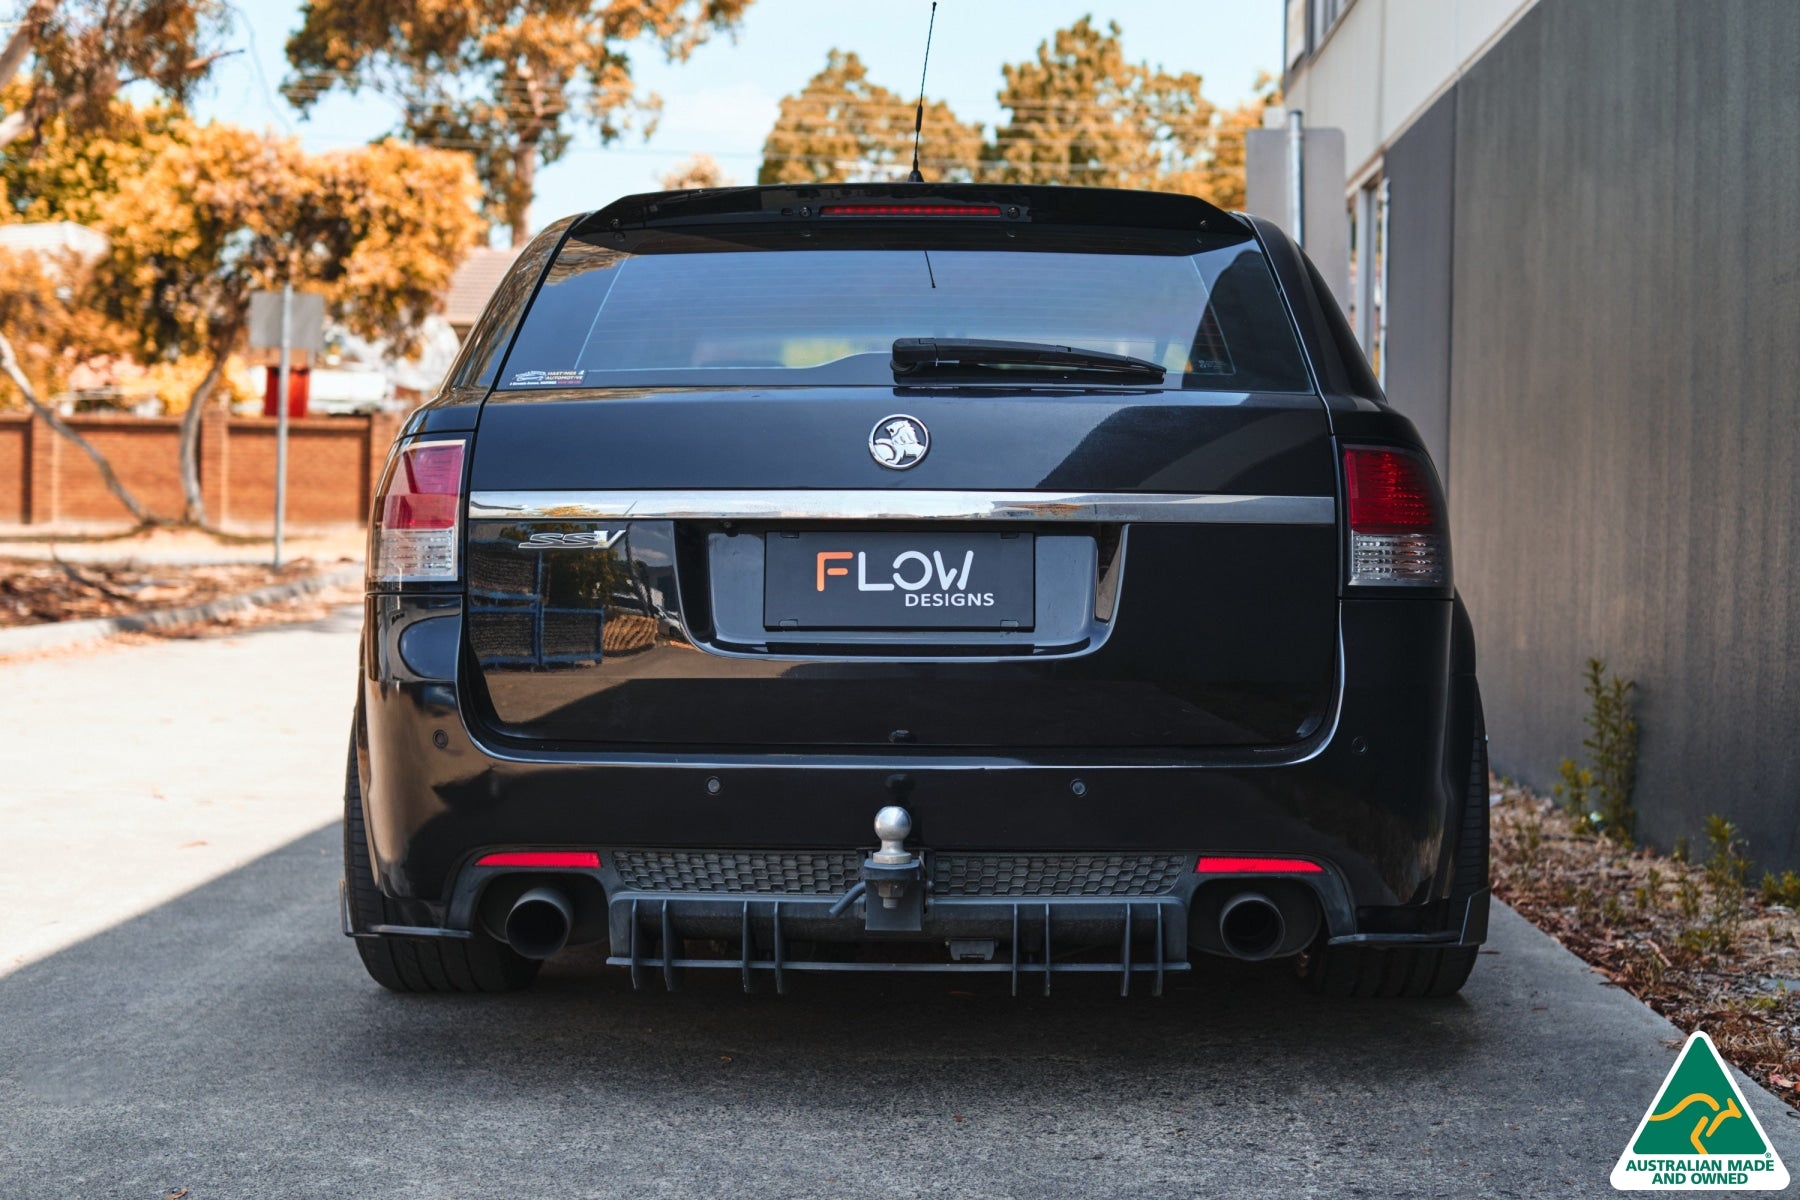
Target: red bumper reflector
[909,210]
[540,858]
[1257,866]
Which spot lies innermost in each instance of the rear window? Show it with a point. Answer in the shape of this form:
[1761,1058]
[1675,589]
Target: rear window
[707,311]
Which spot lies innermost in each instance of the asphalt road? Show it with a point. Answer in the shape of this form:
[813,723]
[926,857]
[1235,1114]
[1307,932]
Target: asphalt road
[203,1025]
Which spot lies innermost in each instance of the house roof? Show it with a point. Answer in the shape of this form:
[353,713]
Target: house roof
[474,281]
[51,237]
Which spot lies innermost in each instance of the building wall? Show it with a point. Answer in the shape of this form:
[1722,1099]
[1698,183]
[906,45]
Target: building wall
[333,463]
[1421,174]
[142,451]
[328,470]
[15,457]
[1625,429]
[1386,60]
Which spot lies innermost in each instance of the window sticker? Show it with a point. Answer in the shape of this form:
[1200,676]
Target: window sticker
[547,379]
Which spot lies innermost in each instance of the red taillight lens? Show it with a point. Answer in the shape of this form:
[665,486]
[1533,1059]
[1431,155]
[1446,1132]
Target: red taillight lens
[1396,517]
[1389,491]
[418,515]
[909,210]
[540,858]
[1225,865]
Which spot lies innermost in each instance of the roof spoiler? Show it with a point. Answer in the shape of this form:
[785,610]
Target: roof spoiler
[1112,207]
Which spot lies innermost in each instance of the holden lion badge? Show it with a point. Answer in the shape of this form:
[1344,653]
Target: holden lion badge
[899,441]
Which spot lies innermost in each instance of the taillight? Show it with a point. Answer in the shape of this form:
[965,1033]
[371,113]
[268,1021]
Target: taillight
[1396,517]
[418,515]
[540,858]
[909,210]
[1225,865]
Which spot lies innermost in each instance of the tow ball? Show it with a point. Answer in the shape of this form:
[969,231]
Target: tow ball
[893,877]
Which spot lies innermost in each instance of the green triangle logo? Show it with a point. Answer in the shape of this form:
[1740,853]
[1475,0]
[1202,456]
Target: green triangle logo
[1699,1133]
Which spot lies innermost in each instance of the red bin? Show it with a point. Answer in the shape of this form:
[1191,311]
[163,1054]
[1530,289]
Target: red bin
[298,381]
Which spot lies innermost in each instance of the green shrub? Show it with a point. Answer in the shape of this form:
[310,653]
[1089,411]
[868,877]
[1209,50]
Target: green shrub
[1687,899]
[1598,796]
[1612,744]
[1783,890]
[1575,794]
[1726,869]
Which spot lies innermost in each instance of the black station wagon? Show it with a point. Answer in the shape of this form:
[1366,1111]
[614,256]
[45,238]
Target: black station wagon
[914,577]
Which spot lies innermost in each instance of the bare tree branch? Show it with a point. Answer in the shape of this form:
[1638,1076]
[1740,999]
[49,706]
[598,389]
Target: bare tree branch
[24,36]
[9,363]
[198,66]
[195,513]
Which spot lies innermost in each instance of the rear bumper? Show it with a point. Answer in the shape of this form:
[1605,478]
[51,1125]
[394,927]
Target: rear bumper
[660,935]
[1374,796]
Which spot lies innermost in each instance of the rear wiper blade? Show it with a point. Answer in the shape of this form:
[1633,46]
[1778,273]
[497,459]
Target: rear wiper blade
[915,355]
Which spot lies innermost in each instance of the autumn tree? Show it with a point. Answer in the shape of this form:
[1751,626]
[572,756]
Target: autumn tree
[842,127]
[82,53]
[41,306]
[509,82]
[1218,176]
[378,230]
[1081,113]
[695,171]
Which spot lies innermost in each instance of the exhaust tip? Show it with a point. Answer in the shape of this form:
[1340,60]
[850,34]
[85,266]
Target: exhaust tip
[1251,926]
[538,924]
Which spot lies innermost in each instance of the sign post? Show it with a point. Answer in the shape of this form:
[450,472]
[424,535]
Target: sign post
[281,414]
[284,321]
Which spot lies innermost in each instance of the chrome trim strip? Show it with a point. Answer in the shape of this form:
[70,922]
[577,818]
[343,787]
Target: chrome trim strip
[902,504]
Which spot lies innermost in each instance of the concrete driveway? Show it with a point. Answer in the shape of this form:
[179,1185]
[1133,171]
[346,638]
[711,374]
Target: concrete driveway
[194,1020]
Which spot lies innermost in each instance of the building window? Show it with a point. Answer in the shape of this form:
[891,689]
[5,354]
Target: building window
[1296,31]
[1368,271]
[1325,14]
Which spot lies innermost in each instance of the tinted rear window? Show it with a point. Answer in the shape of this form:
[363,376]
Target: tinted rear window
[717,313]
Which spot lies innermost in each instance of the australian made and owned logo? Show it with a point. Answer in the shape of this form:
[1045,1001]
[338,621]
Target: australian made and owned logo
[1699,1134]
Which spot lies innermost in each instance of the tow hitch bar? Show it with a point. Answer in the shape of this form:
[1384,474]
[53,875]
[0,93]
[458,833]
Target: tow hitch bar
[893,878]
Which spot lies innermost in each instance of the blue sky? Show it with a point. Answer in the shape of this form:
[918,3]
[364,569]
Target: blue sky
[723,100]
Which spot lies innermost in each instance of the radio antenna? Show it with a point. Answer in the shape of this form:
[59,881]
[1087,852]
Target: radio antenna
[919,114]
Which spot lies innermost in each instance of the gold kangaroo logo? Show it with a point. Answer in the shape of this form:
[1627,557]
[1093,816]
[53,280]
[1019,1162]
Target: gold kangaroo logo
[1709,1121]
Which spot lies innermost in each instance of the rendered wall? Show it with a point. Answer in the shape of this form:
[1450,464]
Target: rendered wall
[1625,394]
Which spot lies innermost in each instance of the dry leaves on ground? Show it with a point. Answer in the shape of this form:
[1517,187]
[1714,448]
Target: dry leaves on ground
[36,591]
[1660,928]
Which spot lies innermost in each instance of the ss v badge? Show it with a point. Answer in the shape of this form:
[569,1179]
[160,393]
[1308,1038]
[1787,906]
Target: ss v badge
[587,539]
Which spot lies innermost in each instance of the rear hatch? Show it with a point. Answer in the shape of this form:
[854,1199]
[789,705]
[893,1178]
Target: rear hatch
[707,509]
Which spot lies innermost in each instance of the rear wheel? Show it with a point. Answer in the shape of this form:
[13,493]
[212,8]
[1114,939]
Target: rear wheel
[478,964]
[1423,971]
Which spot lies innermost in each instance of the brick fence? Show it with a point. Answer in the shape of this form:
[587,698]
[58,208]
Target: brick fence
[334,465]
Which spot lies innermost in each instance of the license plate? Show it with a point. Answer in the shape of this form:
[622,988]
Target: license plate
[898,581]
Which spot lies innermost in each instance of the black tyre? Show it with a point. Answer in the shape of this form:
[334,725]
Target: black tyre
[478,964]
[1425,971]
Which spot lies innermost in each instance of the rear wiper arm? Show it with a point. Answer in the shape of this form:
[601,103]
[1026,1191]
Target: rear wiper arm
[915,355]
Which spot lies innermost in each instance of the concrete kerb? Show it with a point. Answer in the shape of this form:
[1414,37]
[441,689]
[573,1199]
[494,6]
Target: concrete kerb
[54,634]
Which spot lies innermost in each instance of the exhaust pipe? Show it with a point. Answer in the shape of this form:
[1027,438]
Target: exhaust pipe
[538,924]
[1251,926]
